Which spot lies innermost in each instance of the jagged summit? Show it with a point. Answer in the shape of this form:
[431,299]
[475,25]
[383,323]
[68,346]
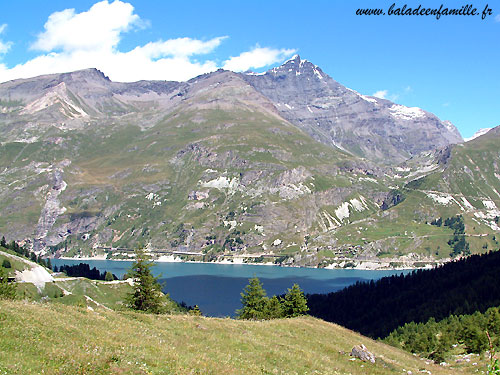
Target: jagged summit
[369,127]
[297,66]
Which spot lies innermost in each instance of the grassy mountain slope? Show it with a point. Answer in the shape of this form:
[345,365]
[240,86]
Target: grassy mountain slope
[210,166]
[35,337]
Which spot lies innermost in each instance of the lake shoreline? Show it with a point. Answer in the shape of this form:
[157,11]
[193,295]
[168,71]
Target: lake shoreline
[362,265]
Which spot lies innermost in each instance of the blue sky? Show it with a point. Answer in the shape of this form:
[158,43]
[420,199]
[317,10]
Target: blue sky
[448,66]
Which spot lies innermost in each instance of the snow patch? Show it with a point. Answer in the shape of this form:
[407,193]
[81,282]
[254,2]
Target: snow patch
[441,199]
[342,211]
[467,204]
[151,196]
[222,182]
[369,179]
[406,113]
[401,169]
[317,73]
[231,223]
[479,133]
[449,126]
[490,205]
[368,99]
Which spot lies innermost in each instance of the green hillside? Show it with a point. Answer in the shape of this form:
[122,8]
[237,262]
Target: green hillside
[35,338]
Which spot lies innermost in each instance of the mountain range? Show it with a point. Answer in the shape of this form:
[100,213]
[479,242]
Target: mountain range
[287,165]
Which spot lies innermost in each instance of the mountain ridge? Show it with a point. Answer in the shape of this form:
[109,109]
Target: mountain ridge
[214,167]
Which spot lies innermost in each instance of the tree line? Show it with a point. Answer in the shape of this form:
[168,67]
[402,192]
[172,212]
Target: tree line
[84,270]
[25,252]
[436,339]
[376,308]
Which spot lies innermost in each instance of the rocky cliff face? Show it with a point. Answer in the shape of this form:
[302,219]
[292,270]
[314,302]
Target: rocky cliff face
[227,164]
[366,126]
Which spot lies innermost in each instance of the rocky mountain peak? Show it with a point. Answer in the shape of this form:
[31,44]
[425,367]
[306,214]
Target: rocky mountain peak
[365,126]
[91,74]
[298,67]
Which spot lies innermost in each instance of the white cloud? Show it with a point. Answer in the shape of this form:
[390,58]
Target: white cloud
[381,94]
[384,94]
[98,28]
[4,46]
[73,41]
[497,18]
[258,57]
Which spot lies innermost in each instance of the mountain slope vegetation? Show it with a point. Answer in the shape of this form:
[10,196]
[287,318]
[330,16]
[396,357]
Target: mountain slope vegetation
[377,308]
[223,167]
[34,338]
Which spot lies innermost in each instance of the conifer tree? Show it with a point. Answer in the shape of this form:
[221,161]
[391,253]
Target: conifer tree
[3,243]
[146,294]
[7,290]
[254,301]
[195,311]
[108,276]
[274,309]
[294,303]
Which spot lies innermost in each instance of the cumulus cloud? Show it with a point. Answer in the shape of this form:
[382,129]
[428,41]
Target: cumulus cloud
[73,41]
[256,58]
[384,94]
[381,94]
[98,28]
[4,46]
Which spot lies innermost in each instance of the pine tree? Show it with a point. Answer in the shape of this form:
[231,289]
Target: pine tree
[109,276]
[195,311]
[146,295]
[274,309]
[2,242]
[49,263]
[7,290]
[254,301]
[294,303]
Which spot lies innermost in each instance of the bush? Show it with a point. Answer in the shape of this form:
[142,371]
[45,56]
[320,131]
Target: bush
[6,263]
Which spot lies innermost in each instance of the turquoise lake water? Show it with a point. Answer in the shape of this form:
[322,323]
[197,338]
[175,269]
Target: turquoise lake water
[216,288]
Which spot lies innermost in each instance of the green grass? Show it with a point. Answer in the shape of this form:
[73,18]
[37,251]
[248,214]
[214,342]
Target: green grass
[56,339]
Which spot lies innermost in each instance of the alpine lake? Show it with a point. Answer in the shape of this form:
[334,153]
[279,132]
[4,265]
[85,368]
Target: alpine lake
[216,288]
